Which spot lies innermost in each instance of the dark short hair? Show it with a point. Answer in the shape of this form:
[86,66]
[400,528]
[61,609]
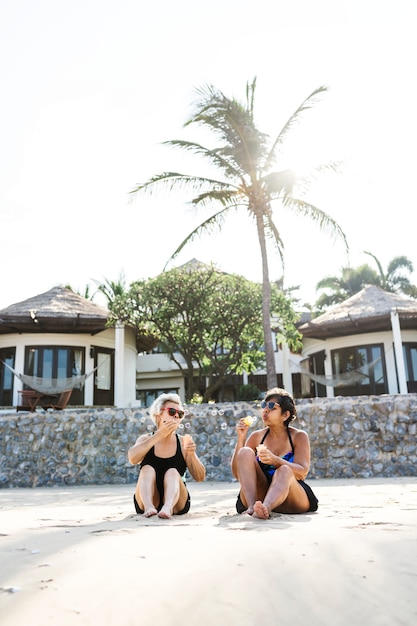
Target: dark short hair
[285,401]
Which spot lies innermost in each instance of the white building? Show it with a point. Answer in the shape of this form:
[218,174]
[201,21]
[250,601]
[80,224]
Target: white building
[58,335]
[367,345]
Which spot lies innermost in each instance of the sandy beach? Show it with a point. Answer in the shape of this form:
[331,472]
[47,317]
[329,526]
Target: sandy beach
[80,556]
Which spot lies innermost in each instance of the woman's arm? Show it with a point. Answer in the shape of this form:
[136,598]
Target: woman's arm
[194,465]
[242,431]
[143,444]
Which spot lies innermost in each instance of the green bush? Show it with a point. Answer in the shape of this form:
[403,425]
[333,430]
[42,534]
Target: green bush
[248,393]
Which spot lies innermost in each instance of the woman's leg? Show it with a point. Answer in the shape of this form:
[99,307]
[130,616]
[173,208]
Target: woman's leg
[253,483]
[175,494]
[146,493]
[284,495]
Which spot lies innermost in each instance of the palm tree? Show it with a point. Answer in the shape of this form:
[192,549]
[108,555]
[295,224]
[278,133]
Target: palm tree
[245,158]
[353,279]
[111,289]
[340,288]
[84,294]
[393,279]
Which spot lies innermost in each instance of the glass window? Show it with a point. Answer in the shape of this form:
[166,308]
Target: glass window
[103,376]
[147,396]
[366,364]
[77,365]
[7,358]
[410,359]
[47,364]
[56,362]
[62,357]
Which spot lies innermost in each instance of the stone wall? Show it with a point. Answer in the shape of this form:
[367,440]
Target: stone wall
[364,436]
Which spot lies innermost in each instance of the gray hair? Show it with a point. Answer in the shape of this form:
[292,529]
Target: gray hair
[160,401]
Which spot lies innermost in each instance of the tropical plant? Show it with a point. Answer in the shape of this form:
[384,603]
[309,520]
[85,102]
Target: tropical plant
[245,158]
[340,288]
[352,279]
[394,279]
[208,322]
[84,294]
[111,289]
[249,393]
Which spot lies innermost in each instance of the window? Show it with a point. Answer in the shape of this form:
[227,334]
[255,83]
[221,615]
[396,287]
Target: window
[312,387]
[410,359]
[7,356]
[56,362]
[367,367]
[146,397]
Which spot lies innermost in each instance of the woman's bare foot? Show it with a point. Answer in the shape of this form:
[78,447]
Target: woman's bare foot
[165,512]
[149,512]
[260,511]
[249,511]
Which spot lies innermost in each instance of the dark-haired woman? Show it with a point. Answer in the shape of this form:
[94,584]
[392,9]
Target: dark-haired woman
[164,457]
[272,463]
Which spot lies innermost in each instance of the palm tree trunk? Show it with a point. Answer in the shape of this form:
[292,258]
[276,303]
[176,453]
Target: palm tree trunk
[271,375]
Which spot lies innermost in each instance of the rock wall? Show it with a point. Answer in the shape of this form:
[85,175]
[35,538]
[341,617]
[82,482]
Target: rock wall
[364,436]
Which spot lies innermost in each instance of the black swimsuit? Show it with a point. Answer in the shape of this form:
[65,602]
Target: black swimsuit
[161,465]
[269,471]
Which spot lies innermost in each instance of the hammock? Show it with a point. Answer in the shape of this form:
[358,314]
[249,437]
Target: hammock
[51,386]
[338,380]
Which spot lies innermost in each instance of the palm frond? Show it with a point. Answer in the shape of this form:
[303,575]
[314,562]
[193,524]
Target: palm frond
[324,221]
[215,157]
[307,104]
[314,174]
[234,124]
[214,222]
[378,263]
[400,263]
[272,232]
[226,197]
[250,96]
[282,182]
[174,180]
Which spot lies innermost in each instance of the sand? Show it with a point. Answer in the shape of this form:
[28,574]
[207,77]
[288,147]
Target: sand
[80,556]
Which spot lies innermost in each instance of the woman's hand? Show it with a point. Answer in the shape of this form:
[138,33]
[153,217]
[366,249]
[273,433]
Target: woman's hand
[188,446]
[242,429]
[195,466]
[167,427]
[266,456]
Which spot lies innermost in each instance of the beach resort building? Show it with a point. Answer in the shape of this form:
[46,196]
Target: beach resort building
[59,342]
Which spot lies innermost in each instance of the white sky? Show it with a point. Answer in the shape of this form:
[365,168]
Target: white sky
[90,89]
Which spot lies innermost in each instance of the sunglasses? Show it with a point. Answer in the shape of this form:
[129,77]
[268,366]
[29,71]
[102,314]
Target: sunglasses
[269,405]
[173,412]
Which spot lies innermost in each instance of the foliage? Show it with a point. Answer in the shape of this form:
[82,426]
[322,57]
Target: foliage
[205,320]
[197,398]
[351,280]
[394,279]
[340,288]
[84,294]
[248,393]
[112,289]
[248,181]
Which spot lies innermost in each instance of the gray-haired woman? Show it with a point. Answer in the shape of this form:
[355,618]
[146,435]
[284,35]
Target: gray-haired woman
[164,457]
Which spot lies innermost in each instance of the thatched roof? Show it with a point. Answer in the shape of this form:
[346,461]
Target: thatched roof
[369,310]
[58,310]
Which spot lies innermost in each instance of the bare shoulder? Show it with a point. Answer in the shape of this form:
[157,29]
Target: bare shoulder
[255,437]
[298,435]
